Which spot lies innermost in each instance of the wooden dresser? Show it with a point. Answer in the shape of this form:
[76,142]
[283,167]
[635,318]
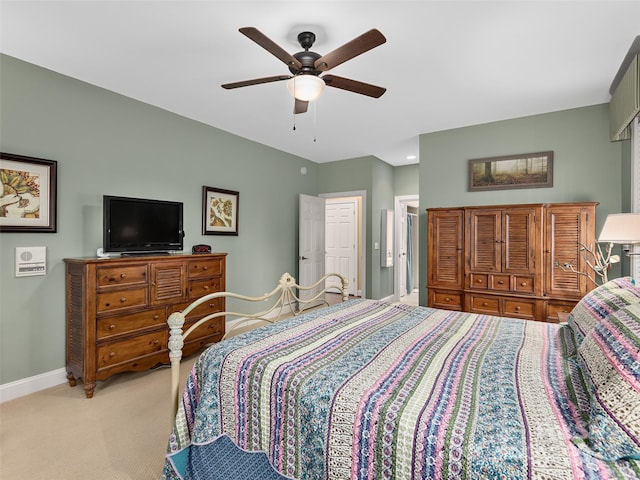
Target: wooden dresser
[502,260]
[117,310]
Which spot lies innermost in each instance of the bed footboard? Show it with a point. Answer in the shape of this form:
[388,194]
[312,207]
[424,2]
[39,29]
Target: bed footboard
[288,298]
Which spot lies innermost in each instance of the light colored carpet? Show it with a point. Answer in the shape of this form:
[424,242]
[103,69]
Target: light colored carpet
[120,433]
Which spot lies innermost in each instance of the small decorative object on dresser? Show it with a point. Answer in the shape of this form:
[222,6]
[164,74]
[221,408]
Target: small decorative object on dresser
[117,310]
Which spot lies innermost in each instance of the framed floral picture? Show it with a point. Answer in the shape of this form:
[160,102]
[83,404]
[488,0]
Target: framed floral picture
[219,211]
[28,196]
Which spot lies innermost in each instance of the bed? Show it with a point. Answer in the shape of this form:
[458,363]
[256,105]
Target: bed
[365,389]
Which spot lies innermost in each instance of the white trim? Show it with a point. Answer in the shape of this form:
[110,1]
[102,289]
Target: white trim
[398,202]
[26,386]
[635,188]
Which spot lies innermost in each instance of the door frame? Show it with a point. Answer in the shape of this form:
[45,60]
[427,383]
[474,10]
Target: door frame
[400,200]
[361,251]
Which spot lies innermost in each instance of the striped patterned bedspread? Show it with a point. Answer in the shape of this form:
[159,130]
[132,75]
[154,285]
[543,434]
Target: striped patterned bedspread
[372,390]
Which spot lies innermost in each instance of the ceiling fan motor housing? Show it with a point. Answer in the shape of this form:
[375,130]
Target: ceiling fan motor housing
[306,58]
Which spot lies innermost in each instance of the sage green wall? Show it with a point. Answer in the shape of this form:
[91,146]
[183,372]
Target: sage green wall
[406,180]
[109,144]
[587,166]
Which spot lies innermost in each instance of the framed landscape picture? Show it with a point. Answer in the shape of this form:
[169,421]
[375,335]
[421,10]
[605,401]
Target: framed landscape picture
[28,197]
[527,170]
[219,211]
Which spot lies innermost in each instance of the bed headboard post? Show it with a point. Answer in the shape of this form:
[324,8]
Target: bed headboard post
[176,322]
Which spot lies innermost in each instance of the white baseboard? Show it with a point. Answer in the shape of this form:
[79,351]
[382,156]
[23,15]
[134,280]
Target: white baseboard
[25,386]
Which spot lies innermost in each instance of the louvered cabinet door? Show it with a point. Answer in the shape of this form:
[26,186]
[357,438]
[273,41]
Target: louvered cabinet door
[567,229]
[445,266]
[484,240]
[168,282]
[519,240]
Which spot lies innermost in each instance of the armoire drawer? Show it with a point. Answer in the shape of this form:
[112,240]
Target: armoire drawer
[482,304]
[446,300]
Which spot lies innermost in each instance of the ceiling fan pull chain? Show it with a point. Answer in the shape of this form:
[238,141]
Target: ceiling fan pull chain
[315,106]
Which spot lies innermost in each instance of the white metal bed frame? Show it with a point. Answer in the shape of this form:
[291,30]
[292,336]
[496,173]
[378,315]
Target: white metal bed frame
[286,298]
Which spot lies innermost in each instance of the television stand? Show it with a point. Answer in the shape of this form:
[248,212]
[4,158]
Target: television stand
[143,254]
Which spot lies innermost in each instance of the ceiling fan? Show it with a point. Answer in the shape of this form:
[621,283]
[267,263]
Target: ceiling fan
[305,82]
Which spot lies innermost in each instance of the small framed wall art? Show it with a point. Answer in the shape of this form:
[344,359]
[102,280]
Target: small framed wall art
[219,211]
[28,196]
[527,170]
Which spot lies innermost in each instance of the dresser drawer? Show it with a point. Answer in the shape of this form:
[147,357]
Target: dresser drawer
[210,328]
[212,306]
[207,267]
[480,304]
[199,288]
[108,276]
[110,326]
[121,299]
[113,353]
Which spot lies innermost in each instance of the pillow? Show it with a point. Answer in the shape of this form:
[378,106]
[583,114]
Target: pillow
[610,360]
[600,302]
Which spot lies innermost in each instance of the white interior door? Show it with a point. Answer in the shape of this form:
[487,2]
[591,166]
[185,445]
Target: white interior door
[341,237]
[402,252]
[311,249]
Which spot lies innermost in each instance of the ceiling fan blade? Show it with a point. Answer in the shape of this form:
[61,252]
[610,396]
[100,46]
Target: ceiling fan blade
[300,106]
[349,50]
[270,46]
[256,81]
[354,86]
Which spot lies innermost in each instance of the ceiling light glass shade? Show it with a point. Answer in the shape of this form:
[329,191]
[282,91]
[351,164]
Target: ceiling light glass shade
[621,228]
[305,87]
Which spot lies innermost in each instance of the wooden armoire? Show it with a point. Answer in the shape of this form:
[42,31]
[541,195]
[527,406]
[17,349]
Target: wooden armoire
[504,259]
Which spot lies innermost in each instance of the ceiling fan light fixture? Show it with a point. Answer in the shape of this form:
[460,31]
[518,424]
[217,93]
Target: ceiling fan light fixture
[305,87]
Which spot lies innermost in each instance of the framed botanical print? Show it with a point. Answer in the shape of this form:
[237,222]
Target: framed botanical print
[29,196]
[219,211]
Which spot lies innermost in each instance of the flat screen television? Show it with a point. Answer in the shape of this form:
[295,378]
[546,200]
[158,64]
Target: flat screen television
[141,226]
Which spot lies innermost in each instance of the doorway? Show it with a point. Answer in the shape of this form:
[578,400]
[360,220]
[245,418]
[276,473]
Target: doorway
[406,274]
[344,237]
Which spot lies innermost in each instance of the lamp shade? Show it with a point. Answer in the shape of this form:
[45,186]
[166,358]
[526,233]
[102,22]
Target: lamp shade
[621,228]
[305,87]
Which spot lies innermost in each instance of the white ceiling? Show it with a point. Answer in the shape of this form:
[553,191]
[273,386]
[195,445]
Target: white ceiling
[445,64]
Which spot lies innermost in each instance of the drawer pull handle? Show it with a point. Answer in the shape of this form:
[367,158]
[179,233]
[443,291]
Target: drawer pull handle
[212,305]
[523,284]
[123,299]
[112,327]
[517,309]
[206,287]
[447,299]
[112,354]
[479,280]
[123,275]
[155,317]
[501,282]
[155,342]
[205,268]
[484,304]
